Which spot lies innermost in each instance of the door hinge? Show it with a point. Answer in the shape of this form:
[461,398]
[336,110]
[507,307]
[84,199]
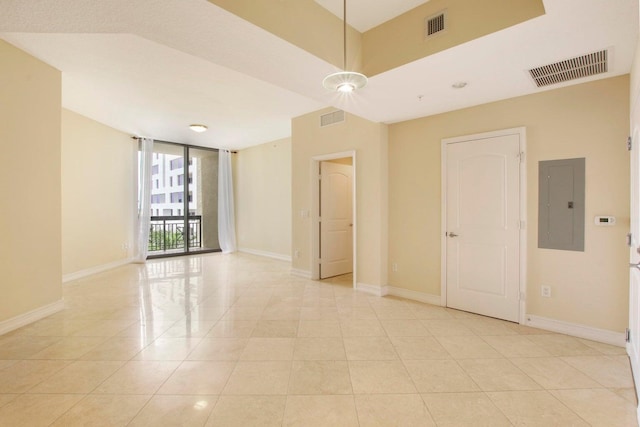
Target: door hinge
[521,156]
[629,143]
[319,219]
[627,335]
[629,239]
[523,296]
[523,225]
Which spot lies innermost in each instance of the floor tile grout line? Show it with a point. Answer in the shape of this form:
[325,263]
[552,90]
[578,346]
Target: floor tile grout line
[415,386]
[384,313]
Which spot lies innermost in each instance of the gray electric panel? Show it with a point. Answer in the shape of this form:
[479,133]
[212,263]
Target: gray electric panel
[561,204]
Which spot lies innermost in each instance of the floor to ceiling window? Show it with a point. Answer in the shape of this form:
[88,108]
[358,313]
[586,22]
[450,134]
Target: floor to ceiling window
[184,200]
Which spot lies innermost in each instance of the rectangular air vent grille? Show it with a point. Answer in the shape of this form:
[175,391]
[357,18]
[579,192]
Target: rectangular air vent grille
[332,118]
[570,69]
[434,24]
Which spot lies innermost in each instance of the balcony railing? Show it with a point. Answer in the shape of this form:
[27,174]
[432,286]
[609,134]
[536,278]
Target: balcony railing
[167,233]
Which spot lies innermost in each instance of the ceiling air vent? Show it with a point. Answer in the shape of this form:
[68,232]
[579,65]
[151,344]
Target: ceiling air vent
[570,69]
[435,24]
[332,118]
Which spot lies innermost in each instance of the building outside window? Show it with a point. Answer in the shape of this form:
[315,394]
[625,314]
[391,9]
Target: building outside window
[176,197]
[177,163]
[157,199]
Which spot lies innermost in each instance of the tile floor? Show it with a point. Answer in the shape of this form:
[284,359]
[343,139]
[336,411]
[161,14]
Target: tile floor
[235,340]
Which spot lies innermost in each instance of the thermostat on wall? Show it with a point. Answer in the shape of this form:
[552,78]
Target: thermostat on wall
[605,220]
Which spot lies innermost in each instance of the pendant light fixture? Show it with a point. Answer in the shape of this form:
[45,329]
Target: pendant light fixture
[344,81]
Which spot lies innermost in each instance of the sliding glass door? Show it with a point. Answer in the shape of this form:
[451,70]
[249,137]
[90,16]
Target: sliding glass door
[184,200]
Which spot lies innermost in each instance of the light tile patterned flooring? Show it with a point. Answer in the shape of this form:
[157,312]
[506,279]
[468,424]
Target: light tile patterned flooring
[235,340]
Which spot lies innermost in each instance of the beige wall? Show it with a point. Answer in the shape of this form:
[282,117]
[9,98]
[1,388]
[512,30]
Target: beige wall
[303,23]
[207,196]
[401,40]
[369,140]
[98,193]
[342,161]
[29,183]
[590,120]
[262,183]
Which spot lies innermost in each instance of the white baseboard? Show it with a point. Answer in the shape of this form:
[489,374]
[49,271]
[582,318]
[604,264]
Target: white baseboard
[378,291]
[413,295]
[306,274]
[273,255]
[93,270]
[30,316]
[576,330]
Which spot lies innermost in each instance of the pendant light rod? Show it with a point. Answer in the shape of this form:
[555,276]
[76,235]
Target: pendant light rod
[344,81]
[344,35]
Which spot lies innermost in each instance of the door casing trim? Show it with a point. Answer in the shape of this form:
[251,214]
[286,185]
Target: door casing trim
[521,132]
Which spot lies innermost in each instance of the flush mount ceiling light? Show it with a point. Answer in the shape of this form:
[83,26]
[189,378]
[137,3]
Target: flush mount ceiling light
[344,81]
[198,128]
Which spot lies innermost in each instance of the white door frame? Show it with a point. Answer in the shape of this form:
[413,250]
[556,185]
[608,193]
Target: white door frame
[521,132]
[632,345]
[315,214]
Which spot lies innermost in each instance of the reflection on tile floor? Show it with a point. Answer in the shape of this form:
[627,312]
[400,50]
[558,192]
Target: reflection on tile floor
[235,340]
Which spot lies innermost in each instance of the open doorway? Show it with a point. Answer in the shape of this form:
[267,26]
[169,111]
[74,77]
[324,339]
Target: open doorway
[333,210]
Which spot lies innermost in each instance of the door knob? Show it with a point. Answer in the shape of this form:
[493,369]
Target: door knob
[634,265]
[452,234]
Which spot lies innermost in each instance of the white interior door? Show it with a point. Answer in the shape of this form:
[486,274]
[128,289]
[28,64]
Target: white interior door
[483,226]
[633,346]
[336,219]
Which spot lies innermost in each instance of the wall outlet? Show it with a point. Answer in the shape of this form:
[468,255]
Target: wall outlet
[394,266]
[546,291]
[296,253]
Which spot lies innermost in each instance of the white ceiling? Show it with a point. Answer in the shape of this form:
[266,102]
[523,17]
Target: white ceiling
[152,67]
[366,14]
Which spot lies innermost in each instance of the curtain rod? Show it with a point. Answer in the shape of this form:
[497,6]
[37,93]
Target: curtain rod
[178,143]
